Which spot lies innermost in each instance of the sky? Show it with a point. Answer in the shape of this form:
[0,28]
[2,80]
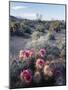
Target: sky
[30,10]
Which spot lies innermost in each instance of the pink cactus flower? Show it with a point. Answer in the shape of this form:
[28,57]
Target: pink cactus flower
[24,54]
[42,52]
[27,53]
[26,76]
[39,63]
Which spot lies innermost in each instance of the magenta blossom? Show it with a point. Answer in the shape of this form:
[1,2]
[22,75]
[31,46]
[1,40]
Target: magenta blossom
[42,52]
[39,63]
[26,76]
[26,53]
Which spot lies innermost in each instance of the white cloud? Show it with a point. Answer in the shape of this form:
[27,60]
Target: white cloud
[28,15]
[18,7]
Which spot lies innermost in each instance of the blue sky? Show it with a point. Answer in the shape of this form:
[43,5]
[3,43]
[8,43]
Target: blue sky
[30,10]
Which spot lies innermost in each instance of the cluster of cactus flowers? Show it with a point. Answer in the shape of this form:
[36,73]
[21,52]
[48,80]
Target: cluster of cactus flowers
[37,68]
[40,65]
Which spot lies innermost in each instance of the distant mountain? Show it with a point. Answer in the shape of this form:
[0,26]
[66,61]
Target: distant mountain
[13,18]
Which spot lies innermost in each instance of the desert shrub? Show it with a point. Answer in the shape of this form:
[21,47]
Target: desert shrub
[60,44]
[26,28]
[63,54]
[63,46]
[14,73]
[51,37]
[39,40]
[40,28]
[12,31]
[36,44]
[54,51]
[54,25]
[36,35]
[15,29]
[20,28]
[47,25]
[59,73]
